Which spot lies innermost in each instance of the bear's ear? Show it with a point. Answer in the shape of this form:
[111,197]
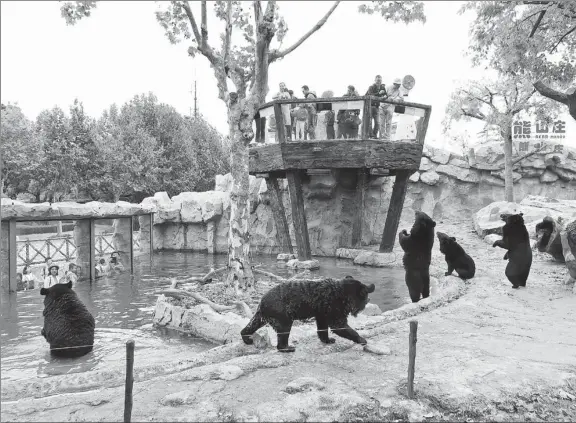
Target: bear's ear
[44,291]
[521,214]
[452,238]
[348,277]
[69,284]
[371,288]
[433,224]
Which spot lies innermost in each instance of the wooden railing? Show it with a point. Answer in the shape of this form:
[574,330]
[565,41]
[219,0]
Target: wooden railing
[33,252]
[267,133]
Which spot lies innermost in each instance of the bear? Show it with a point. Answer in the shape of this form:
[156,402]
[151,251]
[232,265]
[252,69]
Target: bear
[417,248]
[67,322]
[516,241]
[456,257]
[329,301]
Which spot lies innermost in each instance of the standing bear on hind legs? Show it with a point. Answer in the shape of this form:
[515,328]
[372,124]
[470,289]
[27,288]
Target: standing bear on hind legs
[516,240]
[417,248]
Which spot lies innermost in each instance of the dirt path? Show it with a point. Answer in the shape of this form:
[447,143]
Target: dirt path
[493,354]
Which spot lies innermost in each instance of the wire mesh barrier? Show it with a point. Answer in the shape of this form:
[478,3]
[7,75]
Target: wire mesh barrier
[31,252]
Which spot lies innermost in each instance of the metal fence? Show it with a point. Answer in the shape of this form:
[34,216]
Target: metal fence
[32,252]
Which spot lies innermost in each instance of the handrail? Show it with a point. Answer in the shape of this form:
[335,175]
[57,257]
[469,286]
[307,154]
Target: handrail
[344,99]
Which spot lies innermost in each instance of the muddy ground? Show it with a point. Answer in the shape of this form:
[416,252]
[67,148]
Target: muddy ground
[493,353]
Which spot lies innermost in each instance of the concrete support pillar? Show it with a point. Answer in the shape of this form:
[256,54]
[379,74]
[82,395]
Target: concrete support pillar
[122,240]
[8,255]
[145,223]
[84,238]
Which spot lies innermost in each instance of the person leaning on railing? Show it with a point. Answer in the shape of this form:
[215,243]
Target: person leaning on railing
[387,110]
[312,113]
[378,89]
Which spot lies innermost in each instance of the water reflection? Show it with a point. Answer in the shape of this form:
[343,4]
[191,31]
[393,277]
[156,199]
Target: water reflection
[122,306]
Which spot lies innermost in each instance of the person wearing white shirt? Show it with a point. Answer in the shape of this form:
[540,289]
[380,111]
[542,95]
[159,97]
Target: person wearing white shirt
[52,279]
[387,110]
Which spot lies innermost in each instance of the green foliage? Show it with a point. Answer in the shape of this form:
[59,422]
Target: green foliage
[396,11]
[21,150]
[136,151]
[536,39]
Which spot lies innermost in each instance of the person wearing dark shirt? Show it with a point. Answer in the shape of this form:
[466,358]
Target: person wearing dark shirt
[378,89]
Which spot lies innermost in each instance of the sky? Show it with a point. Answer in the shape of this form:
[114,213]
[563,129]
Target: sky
[121,51]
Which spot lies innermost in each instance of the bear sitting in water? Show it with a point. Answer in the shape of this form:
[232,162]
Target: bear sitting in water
[516,240]
[417,248]
[456,257]
[328,301]
[67,322]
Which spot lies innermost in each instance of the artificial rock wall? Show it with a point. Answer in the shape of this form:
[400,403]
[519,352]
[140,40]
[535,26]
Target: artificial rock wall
[447,186]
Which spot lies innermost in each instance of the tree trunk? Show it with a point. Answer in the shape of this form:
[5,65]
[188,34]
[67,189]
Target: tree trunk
[508,176]
[240,275]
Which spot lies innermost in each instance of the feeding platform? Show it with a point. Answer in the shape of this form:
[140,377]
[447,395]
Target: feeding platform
[278,154]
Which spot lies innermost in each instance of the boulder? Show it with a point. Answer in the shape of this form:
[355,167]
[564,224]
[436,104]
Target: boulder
[430,178]
[465,175]
[414,177]
[535,208]
[372,258]
[305,264]
[436,155]
[426,164]
[286,257]
[347,253]
[548,177]
[459,163]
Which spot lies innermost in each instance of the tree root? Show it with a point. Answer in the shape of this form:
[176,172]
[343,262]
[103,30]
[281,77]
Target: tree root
[271,275]
[202,280]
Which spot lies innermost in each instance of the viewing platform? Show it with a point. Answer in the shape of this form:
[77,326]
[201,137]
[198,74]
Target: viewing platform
[342,139]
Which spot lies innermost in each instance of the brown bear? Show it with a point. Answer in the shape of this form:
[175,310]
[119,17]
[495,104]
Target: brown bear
[68,325]
[516,240]
[417,248]
[329,301]
[456,257]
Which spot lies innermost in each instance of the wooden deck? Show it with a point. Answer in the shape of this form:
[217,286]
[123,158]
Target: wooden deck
[330,154]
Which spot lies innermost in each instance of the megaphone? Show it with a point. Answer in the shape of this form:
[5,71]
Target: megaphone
[408,82]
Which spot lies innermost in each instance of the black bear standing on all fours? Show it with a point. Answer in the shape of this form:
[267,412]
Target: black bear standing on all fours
[329,301]
[67,322]
[417,248]
[516,240]
[456,257]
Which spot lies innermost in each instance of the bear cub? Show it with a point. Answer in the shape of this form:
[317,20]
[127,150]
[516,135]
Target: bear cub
[329,301]
[67,322]
[456,257]
[417,248]
[516,241]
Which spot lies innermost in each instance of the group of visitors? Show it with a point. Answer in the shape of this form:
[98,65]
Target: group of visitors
[113,266]
[49,275]
[301,119]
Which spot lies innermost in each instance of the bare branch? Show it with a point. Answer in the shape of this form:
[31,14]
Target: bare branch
[275,55]
[488,102]
[228,36]
[562,38]
[478,115]
[552,94]
[204,27]
[537,23]
[194,25]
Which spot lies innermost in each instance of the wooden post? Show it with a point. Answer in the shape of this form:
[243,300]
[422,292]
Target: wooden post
[296,198]
[92,250]
[279,213]
[423,127]
[151,236]
[357,222]
[131,244]
[394,210]
[129,380]
[280,126]
[412,357]
[367,112]
[9,277]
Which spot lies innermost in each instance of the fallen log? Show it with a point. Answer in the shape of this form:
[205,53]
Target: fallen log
[271,275]
[179,293]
